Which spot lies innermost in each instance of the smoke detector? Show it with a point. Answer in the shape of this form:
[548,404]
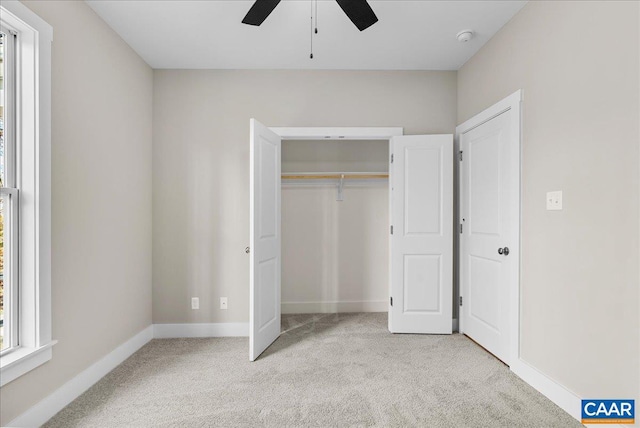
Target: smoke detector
[464,36]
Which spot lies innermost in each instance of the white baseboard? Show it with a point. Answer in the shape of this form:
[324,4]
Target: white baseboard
[227,329]
[561,396]
[334,307]
[47,408]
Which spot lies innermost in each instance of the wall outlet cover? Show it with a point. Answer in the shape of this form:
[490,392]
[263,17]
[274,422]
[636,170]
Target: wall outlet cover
[554,200]
[195,303]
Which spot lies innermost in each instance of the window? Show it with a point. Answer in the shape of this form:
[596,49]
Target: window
[9,204]
[25,191]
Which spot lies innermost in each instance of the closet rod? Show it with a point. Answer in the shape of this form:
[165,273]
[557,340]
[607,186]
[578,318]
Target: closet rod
[333,176]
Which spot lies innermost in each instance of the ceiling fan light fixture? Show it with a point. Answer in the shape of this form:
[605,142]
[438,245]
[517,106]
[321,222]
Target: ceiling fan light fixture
[358,11]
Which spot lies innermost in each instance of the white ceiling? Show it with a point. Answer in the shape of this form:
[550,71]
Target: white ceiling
[410,35]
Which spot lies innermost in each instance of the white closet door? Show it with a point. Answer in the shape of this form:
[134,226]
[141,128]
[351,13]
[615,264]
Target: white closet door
[421,180]
[265,235]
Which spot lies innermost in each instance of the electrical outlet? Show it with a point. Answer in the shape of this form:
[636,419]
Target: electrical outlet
[554,201]
[195,303]
[223,303]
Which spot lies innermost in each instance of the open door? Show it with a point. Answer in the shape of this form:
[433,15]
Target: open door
[421,254]
[265,238]
[489,246]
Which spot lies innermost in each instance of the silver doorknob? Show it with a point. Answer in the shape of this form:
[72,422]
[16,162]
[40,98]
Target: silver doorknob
[247,250]
[504,251]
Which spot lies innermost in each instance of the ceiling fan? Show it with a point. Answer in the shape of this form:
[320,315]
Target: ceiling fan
[358,11]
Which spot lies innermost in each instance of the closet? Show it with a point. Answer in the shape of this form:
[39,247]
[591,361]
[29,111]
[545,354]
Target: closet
[416,211]
[335,226]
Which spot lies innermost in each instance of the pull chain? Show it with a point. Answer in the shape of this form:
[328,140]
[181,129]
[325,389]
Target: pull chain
[311,33]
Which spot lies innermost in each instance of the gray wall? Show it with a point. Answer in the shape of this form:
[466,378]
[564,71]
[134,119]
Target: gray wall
[201,163]
[578,65]
[101,199]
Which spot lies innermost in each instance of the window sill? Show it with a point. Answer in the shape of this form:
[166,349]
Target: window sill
[23,360]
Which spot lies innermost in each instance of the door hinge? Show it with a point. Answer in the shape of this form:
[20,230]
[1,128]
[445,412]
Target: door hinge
[392,230]
[460,155]
[391,157]
[460,228]
[460,300]
[391,301]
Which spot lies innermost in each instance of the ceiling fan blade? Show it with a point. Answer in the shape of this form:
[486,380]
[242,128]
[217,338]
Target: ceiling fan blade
[359,12]
[259,11]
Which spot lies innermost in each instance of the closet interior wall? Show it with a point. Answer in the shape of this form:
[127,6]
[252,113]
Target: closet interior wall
[335,254]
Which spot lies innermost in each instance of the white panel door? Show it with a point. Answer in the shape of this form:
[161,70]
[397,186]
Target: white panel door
[421,181]
[265,238]
[489,207]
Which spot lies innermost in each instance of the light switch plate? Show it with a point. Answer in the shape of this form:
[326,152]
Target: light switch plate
[223,303]
[554,200]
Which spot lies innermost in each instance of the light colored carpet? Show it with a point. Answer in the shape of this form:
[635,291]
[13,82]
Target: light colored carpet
[338,370]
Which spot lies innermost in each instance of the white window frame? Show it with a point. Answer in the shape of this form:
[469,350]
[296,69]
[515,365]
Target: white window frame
[9,193]
[33,144]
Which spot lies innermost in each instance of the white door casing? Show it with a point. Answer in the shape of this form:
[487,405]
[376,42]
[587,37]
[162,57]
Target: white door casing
[421,245]
[490,224]
[265,238]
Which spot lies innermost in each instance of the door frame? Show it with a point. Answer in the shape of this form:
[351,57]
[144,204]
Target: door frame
[333,133]
[511,103]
